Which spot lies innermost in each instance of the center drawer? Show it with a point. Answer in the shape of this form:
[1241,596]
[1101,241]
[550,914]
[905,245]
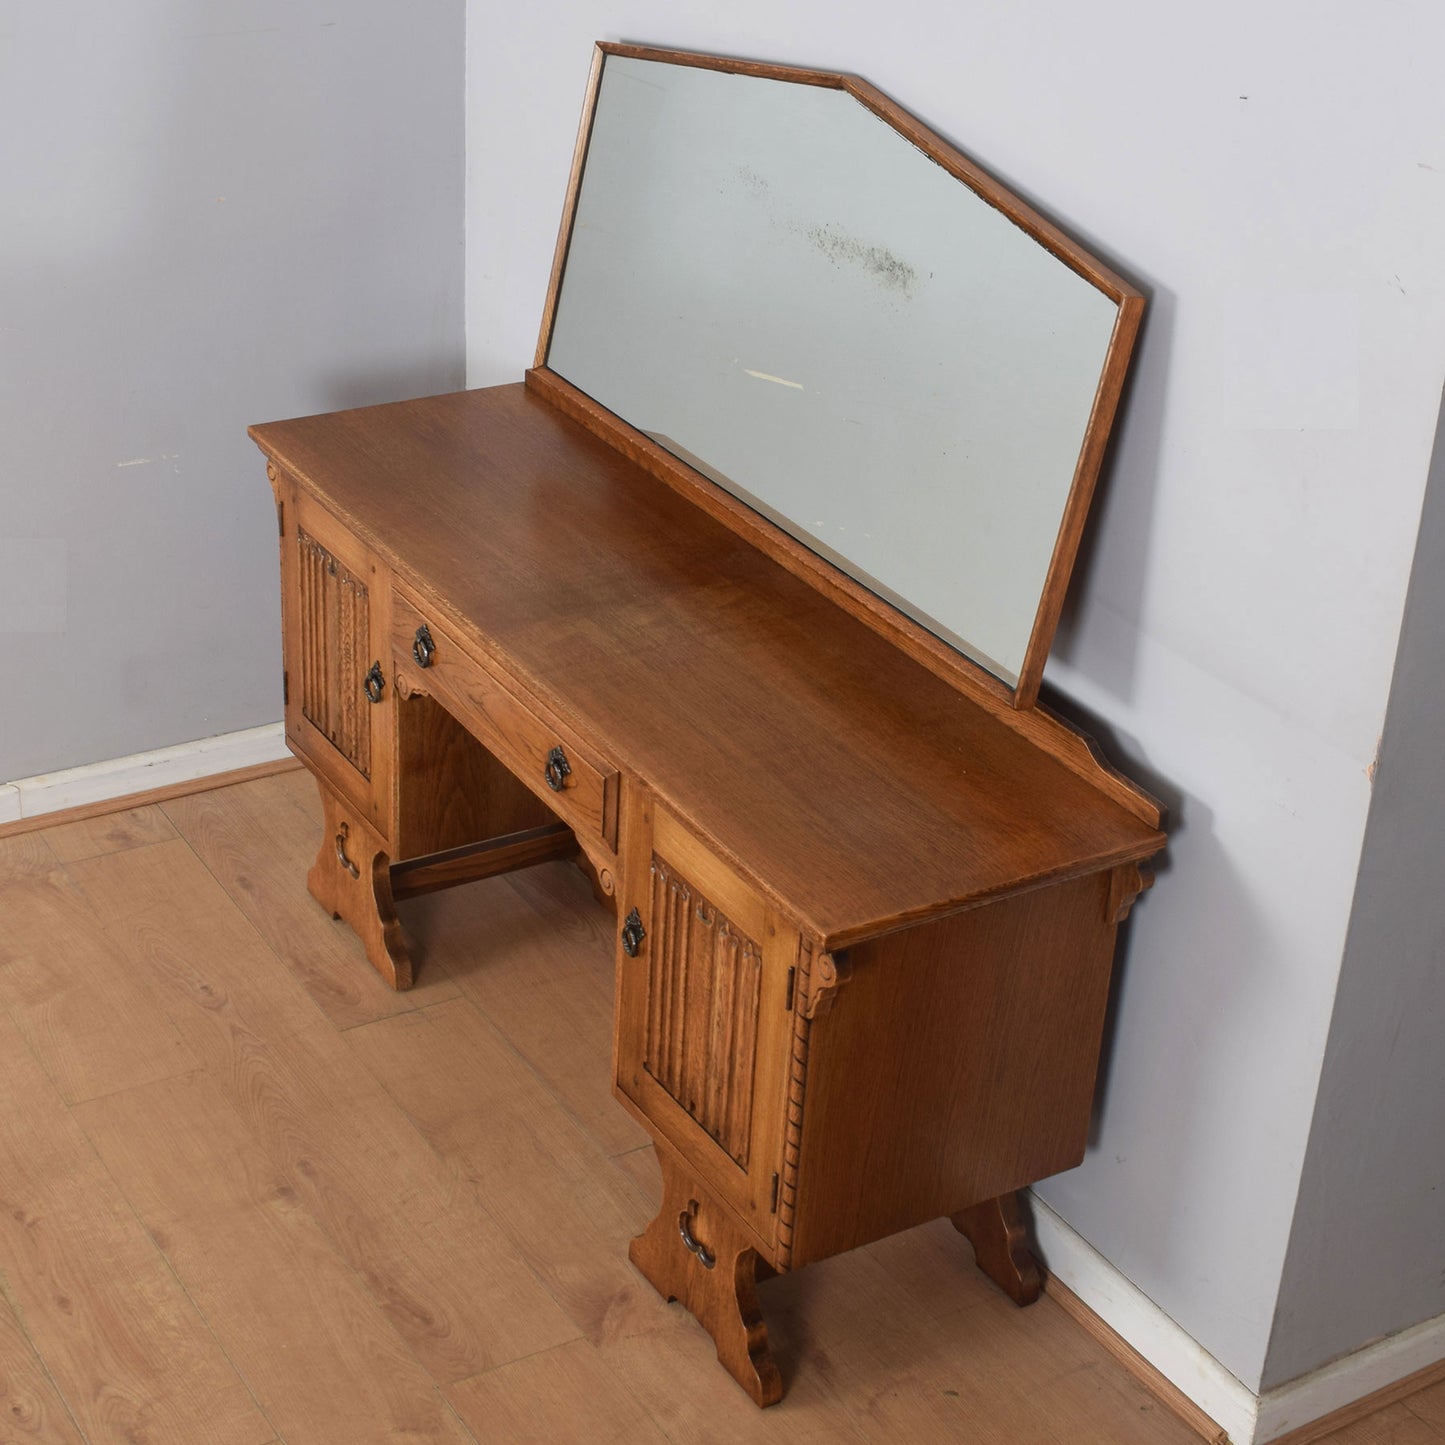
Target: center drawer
[549,758]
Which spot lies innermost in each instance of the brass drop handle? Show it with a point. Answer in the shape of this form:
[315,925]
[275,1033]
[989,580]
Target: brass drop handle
[558,770]
[375,683]
[632,934]
[684,1221]
[422,647]
[341,836]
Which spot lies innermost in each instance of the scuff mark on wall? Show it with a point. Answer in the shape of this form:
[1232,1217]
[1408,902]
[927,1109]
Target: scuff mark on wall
[147,461]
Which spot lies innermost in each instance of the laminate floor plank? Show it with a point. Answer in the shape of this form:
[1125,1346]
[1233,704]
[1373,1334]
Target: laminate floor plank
[259,843]
[30,1408]
[933,1265]
[119,1336]
[176,926]
[1429,1405]
[109,833]
[534,951]
[91,1021]
[572,1212]
[1398,1424]
[439,1267]
[305,1334]
[563,1396]
[533,1168]
[24,854]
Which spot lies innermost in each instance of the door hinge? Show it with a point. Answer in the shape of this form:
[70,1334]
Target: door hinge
[788,1001]
[774,1208]
[285,688]
[280,519]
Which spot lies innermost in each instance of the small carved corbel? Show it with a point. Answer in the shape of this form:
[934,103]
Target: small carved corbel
[407,686]
[1126,883]
[829,973]
[278,492]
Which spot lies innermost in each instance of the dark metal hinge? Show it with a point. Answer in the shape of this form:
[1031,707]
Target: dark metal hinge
[774,1209]
[280,519]
[788,1001]
[285,689]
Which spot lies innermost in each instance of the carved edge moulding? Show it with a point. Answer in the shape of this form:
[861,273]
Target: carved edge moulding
[876,612]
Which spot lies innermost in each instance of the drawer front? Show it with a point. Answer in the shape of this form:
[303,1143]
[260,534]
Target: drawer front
[549,758]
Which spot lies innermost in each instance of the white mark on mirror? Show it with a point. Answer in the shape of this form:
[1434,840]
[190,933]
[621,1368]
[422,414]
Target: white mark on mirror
[776,380]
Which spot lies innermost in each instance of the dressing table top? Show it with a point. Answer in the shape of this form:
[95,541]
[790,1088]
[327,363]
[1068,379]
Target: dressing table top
[854,787]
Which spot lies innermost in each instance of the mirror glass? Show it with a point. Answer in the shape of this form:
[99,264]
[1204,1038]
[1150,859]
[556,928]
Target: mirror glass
[781,289]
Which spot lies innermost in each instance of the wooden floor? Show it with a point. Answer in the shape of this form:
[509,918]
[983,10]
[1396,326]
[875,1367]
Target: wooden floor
[249,1195]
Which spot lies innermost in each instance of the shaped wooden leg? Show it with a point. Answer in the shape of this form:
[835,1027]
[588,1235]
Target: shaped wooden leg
[692,1252]
[1000,1242]
[351,879]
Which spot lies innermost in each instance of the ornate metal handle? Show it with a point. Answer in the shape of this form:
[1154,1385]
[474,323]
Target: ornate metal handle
[632,934]
[558,770]
[341,836]
[704,1256]
[375,683]
[423,648]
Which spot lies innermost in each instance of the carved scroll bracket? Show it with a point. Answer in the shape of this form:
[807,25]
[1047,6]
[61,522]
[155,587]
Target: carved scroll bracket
[1126,883]
[830,971]
[278,491]
[408,685]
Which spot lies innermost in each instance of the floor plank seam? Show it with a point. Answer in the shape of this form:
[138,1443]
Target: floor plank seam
[451,1409]
[521,1359]
[472,1192]
[166,1259]
[7,1302]
[247,920]
[326,1233]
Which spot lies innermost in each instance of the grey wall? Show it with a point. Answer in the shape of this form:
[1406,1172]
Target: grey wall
[1367,1251]
[214,213]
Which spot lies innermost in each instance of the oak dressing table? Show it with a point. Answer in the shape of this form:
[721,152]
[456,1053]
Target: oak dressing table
[866,889]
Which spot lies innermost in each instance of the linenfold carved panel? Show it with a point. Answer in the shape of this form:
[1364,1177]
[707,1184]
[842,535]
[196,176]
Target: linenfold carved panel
[334,632]
[702,1011]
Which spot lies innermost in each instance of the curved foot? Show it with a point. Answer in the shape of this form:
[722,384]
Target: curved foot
[351,879]
[692,1252]
[1000,1242]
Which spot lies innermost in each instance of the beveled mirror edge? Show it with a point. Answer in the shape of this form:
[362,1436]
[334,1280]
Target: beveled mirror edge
[1081,495]
[939,656]
[569,203]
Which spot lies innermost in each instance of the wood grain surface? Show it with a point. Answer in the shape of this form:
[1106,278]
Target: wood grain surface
[852,787]
[120,1337]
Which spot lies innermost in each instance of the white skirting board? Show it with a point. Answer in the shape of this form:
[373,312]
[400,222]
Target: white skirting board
[1342,1382]
[139,773]
[1249,1419]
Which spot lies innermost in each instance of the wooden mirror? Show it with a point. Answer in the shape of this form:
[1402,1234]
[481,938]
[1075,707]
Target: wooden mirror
[885,366]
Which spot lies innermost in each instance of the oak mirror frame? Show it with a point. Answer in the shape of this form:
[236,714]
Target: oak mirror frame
[793,302]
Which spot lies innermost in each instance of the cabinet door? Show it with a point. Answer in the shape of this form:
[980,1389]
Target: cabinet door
[333,604]
[704,1019]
